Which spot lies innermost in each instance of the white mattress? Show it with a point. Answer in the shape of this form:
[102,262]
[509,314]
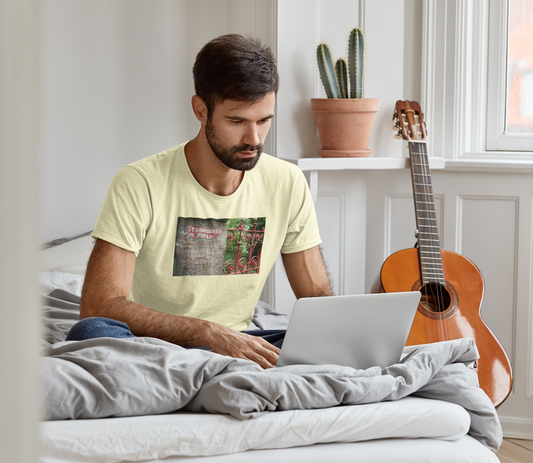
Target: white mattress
[464,450]
[187,434]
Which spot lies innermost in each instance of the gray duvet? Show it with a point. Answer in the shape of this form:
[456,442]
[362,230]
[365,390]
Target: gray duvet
[106,377]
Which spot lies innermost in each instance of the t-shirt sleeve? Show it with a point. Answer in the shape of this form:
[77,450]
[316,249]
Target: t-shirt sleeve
[127,211]
[302,230]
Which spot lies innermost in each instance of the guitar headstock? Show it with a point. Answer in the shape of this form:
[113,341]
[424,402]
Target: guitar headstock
[409,121]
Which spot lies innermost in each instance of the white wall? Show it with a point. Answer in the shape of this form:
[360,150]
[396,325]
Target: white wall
[115,87]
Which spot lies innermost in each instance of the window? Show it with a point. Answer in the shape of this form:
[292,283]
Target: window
[519,117]
[510,85]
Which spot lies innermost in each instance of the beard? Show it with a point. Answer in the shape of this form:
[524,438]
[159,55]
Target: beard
[228,155]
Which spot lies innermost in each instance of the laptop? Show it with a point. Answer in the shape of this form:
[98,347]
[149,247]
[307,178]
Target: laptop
[359,331]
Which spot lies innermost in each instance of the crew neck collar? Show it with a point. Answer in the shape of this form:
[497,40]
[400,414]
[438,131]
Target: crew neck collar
[201,189]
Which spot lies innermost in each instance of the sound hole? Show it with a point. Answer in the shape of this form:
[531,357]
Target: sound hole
[435,297]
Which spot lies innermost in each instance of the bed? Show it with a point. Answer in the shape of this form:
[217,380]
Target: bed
[144,400]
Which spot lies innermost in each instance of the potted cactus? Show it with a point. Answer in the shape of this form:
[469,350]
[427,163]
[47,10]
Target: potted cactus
[344,119]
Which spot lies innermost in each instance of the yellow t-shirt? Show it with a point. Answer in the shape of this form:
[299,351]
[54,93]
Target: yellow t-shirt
[199,254]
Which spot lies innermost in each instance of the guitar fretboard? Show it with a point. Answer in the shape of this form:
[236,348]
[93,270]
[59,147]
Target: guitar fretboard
[426,218]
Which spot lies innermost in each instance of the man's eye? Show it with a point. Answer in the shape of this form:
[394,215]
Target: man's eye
[236,122]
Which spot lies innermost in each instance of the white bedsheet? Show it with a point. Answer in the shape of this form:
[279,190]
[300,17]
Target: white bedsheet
[114,440]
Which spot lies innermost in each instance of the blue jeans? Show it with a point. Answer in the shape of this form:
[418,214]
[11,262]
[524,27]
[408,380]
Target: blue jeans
[100,327]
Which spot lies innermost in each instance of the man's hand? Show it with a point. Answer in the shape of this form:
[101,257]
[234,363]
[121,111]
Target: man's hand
[241,345]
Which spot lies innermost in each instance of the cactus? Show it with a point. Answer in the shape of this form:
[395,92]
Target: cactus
[335,80]
[342,81]
[327,74]
[356,62]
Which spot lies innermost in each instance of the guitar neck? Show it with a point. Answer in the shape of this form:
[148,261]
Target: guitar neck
[426,217]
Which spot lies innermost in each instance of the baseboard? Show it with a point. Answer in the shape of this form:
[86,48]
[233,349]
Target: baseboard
[517,428]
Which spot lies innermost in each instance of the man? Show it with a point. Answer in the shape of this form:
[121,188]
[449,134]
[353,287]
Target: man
[186,238]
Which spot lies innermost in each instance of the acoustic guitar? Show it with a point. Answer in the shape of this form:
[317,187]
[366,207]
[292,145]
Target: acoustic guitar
[451,285]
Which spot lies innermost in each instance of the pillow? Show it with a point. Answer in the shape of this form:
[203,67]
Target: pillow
[69,282]
[69,257]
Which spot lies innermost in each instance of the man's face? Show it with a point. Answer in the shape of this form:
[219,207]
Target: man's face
[236,131]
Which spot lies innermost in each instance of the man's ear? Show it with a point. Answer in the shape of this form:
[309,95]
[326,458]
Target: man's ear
[199,108]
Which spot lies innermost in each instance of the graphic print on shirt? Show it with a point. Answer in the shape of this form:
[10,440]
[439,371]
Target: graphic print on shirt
[218,246]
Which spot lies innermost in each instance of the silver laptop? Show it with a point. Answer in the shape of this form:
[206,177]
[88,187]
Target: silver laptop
[359,331]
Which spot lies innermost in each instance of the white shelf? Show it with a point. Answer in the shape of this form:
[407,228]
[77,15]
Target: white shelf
[481,164]
[316,165]
[520,166]
[370,163]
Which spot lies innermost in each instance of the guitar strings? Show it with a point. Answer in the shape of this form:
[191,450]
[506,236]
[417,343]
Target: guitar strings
[423,243]
[419,167]
[429,258]
[435,289]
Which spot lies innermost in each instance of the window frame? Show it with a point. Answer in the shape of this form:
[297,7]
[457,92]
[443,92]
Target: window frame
[461,66]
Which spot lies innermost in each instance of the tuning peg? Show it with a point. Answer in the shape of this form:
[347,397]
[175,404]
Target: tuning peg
[399,135]
[395,128]
[394,116]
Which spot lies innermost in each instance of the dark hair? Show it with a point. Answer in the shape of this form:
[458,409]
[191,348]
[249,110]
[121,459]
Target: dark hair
[234,67]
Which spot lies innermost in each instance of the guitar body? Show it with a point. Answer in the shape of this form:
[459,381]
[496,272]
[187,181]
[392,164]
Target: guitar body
[458,314]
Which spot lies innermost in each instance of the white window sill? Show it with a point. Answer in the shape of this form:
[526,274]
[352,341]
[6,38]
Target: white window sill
[523,165]
[370,163]
[487,164]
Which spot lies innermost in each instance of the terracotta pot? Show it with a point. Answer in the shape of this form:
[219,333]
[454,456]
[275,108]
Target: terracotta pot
[345,125]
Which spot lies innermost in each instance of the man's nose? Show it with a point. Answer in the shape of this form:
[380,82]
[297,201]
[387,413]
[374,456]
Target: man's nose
[251,137]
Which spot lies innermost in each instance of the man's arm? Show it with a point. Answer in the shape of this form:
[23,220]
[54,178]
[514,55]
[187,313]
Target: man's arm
[307,273]
[107,284]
